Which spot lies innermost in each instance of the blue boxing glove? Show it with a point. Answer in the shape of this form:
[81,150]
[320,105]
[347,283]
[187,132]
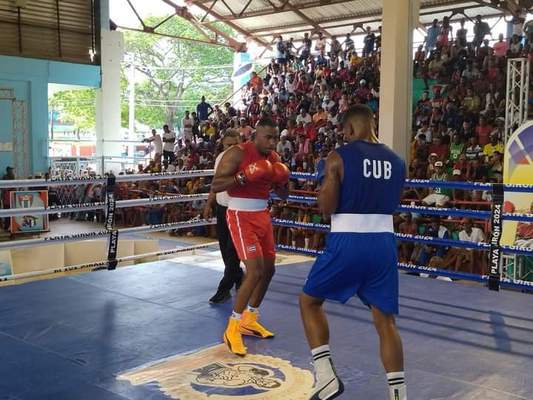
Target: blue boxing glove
[321,170]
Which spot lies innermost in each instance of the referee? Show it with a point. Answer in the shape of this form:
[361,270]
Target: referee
[232,270]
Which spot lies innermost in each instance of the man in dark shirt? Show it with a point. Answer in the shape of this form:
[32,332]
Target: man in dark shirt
[203,109]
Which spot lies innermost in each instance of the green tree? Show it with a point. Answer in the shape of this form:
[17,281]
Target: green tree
[177,72]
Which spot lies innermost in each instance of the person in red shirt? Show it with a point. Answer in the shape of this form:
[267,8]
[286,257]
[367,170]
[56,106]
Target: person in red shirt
[439,148]
[483,131]
[248,172]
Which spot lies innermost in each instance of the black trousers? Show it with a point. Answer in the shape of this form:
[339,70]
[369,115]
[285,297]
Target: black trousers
[232,270]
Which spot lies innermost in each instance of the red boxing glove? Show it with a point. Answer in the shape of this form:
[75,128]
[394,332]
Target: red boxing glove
[257,171]
[280,173]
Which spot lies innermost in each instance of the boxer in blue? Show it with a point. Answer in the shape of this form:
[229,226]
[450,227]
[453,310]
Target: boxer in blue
[362,183]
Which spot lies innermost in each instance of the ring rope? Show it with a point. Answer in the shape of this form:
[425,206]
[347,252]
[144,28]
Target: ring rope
[104,233]
[412,238]
[101,265]
[69,208]
[102,180]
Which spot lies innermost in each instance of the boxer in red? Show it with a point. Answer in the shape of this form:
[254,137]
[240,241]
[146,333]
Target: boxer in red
[248,172]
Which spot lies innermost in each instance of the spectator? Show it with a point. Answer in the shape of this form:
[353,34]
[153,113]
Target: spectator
[456,148]
[245,130]
[461,34]
[348,44]
[169,139]
[500,47]
[158,145]
[481,29]
[439,197]
[369,42]
[187,123]
[432,34]
[483,131]
[464,258]
[495,145]
[203,110]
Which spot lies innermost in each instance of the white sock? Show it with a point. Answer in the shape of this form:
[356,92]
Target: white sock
[253,309]
[306,243]
[397,386]
[323,366]
[236,315]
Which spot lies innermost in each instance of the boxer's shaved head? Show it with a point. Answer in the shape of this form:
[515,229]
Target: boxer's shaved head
[358,124]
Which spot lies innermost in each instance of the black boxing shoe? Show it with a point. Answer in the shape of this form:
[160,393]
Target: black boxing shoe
[220,297]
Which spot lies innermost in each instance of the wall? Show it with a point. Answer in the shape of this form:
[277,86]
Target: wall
[30,78]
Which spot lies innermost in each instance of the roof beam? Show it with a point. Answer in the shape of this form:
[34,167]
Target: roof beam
[184,13]
[273,31]
[430,10]
[283,8]
[230,24]
[311,22]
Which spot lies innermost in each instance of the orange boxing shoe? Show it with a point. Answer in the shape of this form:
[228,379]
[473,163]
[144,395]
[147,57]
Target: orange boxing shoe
[233,337]
[250,326]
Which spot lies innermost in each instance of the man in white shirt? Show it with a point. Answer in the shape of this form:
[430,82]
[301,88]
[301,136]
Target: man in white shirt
[283,144]
[233,273]
[186,126]
[303,117]
[169,139]
[158,145]
[466,259]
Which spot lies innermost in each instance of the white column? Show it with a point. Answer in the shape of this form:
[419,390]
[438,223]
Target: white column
[400,18]
[108,126]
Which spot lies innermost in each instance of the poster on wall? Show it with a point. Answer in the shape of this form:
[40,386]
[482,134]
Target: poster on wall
[5,263]
[518,169]
[29,199]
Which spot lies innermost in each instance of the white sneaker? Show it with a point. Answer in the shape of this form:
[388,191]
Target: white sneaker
[328,390]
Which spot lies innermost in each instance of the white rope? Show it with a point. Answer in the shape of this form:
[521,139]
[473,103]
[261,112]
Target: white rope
[102,180]
[68,208]
[98,264]
[104,233]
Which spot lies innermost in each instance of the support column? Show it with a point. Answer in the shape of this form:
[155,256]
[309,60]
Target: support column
[108,124]
[400,18]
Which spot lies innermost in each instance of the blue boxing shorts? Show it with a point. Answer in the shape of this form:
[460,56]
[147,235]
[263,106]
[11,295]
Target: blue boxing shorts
[362,264]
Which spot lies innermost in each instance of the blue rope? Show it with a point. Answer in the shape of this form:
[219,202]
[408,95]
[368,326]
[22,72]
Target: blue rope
[445,212]
[517,188]
[412,238]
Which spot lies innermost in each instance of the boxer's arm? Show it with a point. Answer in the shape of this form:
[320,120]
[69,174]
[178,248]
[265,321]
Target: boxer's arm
[328,196]
[227,168]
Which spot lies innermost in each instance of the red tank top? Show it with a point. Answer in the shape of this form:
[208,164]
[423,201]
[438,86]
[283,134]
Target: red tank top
[257,190]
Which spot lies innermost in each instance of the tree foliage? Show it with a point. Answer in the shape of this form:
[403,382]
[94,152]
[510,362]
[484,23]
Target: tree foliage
[174,75]
[177,72]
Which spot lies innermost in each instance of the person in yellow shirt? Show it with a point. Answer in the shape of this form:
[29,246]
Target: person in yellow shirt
[493,146]
[355,60]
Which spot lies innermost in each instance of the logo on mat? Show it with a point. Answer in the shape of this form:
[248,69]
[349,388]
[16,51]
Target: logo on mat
[214,373]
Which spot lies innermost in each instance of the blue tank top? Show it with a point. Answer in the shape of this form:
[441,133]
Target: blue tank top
[373,179]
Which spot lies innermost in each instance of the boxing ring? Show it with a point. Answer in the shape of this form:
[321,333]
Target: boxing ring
[146,331]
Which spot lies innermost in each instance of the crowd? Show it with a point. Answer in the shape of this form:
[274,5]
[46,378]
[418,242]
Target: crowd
[457,130]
